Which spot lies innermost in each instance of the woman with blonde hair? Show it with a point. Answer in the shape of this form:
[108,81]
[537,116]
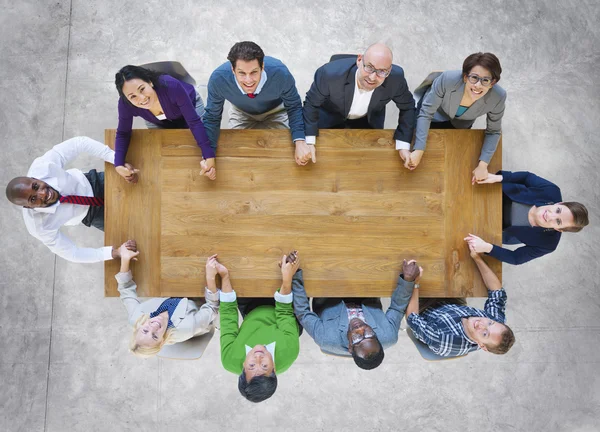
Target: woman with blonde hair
[165,321]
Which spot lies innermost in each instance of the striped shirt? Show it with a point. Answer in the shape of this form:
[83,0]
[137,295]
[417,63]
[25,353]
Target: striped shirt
[442,330]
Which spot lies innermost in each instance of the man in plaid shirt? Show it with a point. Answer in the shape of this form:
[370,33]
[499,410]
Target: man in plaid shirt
[452,330]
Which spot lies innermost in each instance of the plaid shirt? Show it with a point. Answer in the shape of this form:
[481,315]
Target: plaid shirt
[442,330]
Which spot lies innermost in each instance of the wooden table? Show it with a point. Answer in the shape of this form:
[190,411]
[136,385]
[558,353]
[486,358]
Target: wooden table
[353,216]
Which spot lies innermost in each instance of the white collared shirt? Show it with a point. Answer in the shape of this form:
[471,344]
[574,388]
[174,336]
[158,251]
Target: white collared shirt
[359,108]
[360,101]
[261,83]
[44,223]
[270,347]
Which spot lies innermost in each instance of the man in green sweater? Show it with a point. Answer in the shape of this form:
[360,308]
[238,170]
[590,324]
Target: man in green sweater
[268,339]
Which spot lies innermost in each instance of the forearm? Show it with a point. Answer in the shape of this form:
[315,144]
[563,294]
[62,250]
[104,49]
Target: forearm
[124,266]
[490,143]
[490,279]
[413,304]
[226,284]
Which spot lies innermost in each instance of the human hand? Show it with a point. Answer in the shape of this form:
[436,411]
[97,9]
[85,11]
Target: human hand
[491,178]
[128,251]
[128,172]
[289,265]
[410,270]
[214,268]
[478,244]
[415,159]
[208,168]
[473,252]
[405,156]
[480,173]
[305,153]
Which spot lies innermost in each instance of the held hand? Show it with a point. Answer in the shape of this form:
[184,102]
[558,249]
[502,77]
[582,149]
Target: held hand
[208,168]
[480,173]
[214,267]
[128,172]
[418,279]
[305,153]
[405,156]
[410,270]
[491,178]
[478,244]
[415,159]
[474,253]
[289,265]
[128,251]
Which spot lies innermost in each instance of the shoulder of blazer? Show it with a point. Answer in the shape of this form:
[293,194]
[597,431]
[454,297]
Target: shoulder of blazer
[495,95]
[452,79]
[342,68]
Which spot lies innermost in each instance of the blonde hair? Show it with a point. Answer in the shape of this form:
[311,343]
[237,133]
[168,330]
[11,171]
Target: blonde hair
[145,351]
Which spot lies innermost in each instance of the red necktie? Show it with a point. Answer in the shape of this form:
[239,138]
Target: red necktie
[251,95]
[82,200]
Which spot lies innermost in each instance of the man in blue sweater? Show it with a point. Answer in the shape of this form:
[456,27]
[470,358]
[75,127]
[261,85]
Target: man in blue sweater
[263,95]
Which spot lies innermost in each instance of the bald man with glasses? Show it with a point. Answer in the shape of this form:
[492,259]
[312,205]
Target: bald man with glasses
[352,93]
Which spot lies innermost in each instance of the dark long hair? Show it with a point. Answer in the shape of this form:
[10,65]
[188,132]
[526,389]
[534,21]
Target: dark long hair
[130,72]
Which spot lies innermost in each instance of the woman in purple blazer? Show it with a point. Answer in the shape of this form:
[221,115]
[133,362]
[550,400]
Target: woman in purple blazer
[163,102]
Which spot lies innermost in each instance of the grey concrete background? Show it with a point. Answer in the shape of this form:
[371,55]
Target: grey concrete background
[64,362]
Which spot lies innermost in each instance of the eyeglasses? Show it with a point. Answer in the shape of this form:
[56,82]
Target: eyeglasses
[358,338]
[485,81]
[381,73]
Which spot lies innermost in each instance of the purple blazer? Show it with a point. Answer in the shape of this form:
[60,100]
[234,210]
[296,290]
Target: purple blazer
[178,100]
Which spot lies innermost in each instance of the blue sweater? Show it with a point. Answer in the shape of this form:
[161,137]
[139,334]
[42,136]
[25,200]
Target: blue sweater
[279,87]
[527,188]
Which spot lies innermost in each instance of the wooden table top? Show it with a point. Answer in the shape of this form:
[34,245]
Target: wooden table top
[353,216]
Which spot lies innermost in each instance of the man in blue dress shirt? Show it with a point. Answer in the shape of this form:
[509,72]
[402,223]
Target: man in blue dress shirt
[263,95]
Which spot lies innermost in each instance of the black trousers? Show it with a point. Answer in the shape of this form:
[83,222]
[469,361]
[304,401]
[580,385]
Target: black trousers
[95,215]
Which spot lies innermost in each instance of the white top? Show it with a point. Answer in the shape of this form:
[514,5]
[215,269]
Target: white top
[44,223]
[358,109]
[360,101]
[161,117]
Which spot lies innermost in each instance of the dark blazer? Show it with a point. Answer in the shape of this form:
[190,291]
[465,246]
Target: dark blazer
[527,188]
[330,329]
[329,99]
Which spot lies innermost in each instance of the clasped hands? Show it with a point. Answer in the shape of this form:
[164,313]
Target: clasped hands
[480,173]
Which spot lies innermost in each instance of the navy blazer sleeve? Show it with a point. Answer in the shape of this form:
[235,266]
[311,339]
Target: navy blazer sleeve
[405,102]
[520,255]
[316,96]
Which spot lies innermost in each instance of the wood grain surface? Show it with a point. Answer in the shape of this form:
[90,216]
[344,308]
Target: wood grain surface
[354,215]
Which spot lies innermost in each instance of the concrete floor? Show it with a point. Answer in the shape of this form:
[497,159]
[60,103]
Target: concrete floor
[64,363]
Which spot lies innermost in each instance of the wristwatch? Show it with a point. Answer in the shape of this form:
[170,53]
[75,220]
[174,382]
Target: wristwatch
[417,286]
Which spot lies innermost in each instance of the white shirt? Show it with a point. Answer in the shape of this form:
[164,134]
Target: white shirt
[44,223]
[270,347]
[358,109]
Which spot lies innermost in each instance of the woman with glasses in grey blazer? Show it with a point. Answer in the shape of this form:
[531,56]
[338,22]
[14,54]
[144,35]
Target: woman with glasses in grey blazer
[455,100]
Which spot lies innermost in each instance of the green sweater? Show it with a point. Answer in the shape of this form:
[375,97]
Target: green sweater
[263,325]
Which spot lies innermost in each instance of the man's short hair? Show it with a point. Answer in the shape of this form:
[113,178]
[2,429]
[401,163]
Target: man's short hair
[371,360]
[508,340]
[580,216]
[259,388]
[246,51]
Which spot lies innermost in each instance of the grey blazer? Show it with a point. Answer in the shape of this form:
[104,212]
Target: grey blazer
[330,329]
[188,319]
[441,101]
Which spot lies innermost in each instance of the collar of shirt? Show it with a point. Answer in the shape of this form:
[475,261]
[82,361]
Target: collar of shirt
[270,347]
[261,83]
[462,330]
[355,311]
[360,101]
